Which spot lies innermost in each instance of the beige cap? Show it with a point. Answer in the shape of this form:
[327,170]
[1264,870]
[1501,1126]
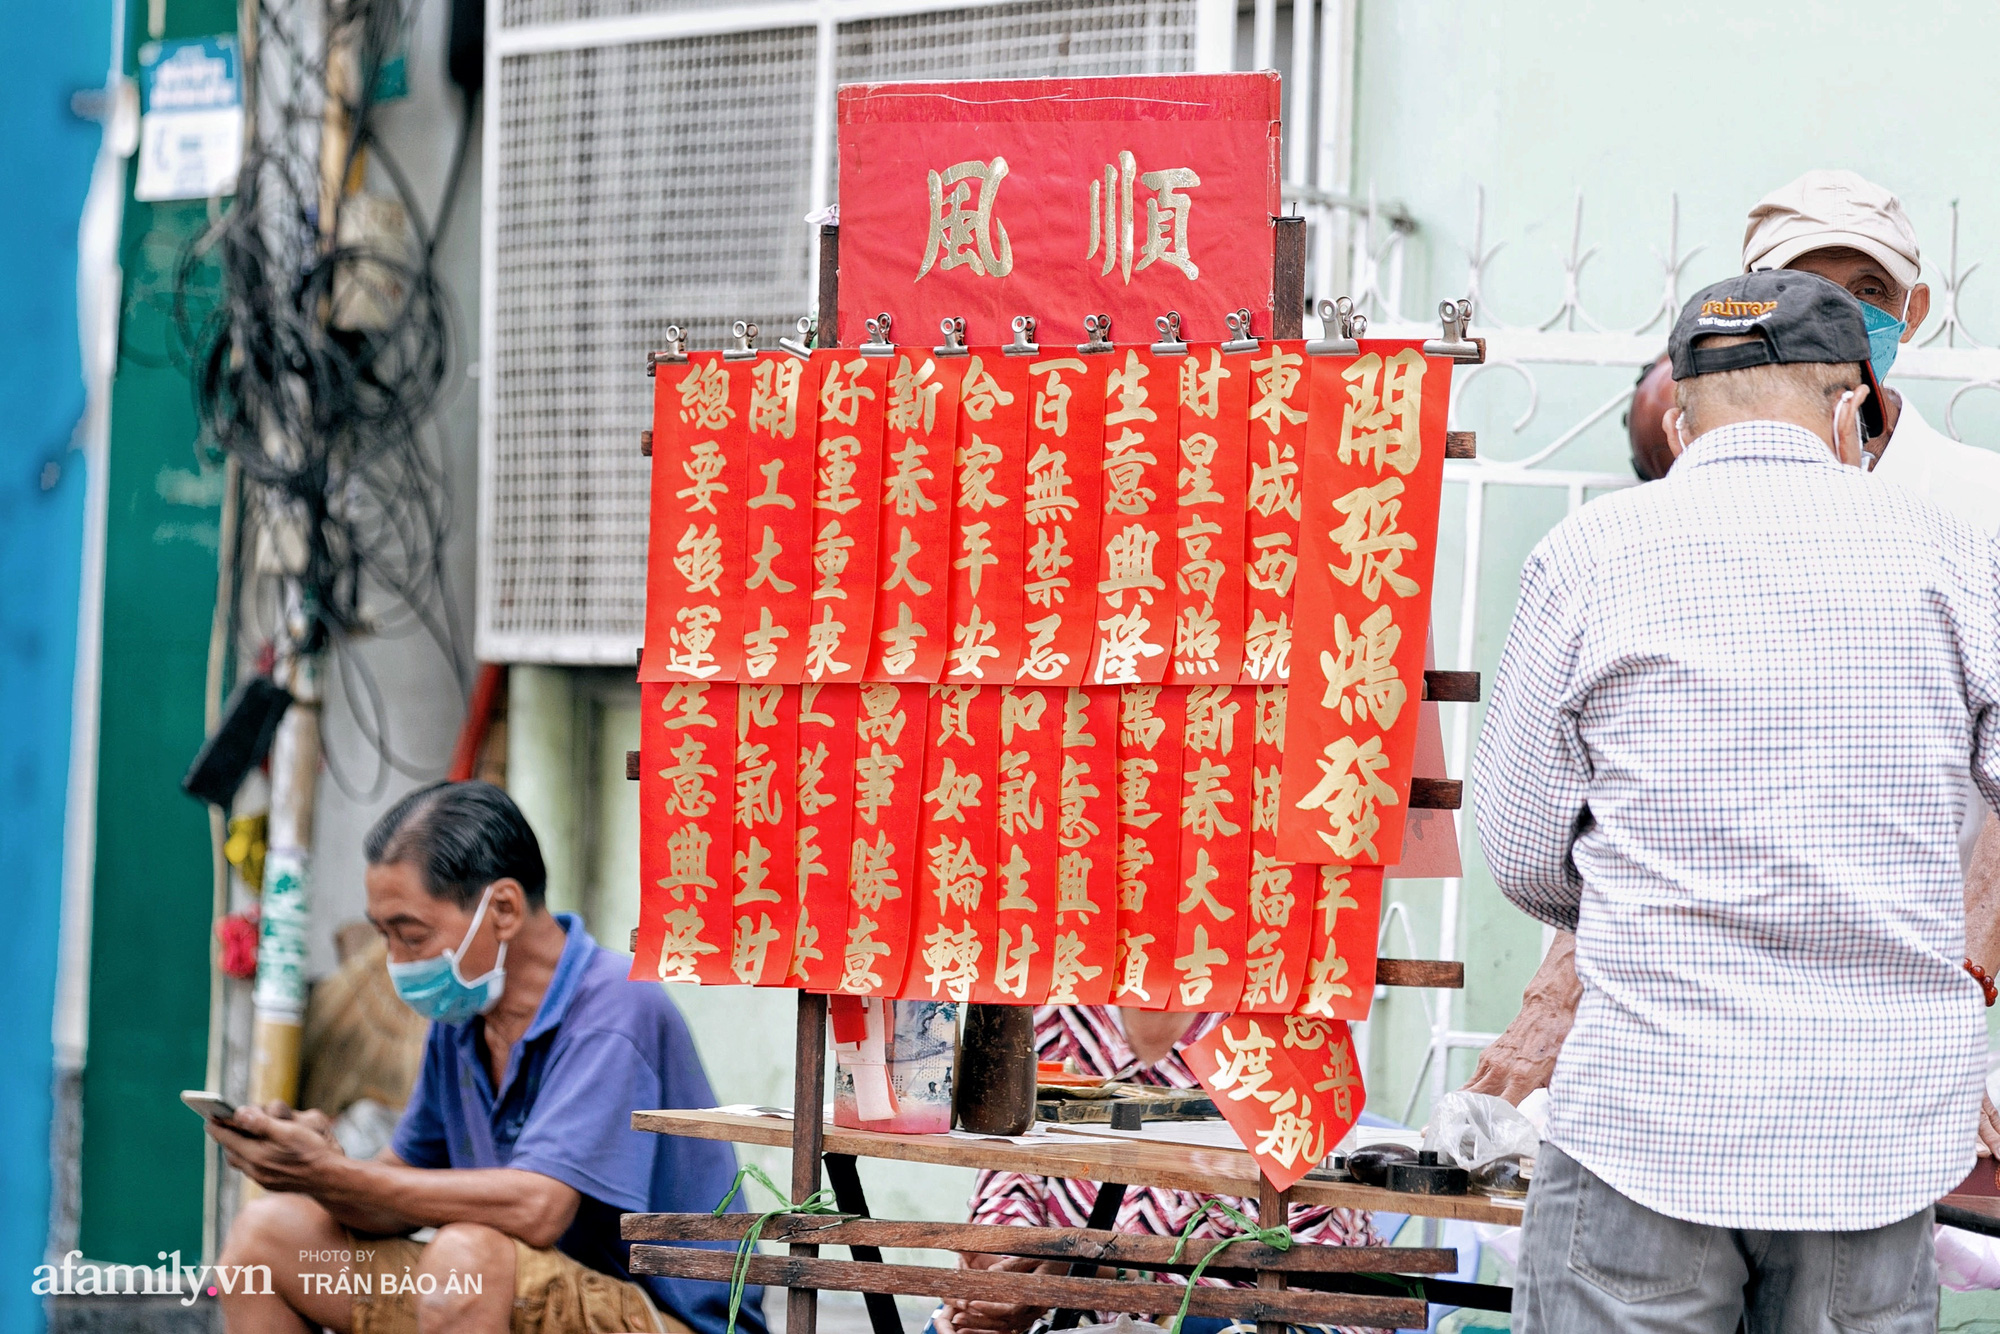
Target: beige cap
[1825,209]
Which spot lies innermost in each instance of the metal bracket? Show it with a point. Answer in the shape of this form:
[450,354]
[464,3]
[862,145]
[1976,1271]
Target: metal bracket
[953,329]
[1098,329]
[1455,316]
[1240,337]
[745,334]
[1024,344]
[1343,328]
[676,349]
[808,338]
[878,344]
[1169,327]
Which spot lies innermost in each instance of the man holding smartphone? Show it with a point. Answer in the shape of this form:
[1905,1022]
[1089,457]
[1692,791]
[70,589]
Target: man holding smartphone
[517,1145]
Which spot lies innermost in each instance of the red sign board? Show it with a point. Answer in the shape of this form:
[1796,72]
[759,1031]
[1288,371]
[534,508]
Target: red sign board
[1058,198]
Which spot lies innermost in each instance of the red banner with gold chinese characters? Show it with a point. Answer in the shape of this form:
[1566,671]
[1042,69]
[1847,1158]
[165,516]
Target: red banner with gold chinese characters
[1209,533]
[1136,560]
[695,544]
[778,536]
[1279,935]
[765,860]
[1278,397]
[825,832]
[1149,769]
[686,768]
[985,601]
[1084,970]
[913,568]
[1029,848]
[949,952]
[1289,1087]
[1217,751]
[1340,981]
[846,518]
[889,723]
[1061,510]
[1372,479]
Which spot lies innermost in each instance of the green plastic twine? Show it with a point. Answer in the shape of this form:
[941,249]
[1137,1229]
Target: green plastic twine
[1278,1238]
[819,1202]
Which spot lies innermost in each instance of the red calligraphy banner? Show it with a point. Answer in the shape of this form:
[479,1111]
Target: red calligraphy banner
[685,777]
[1278,398]
[1282,896]
[1340,984]
[913,570]
[1289,1087]
[1372,479]
[1217,754]
[949,953]
[1210,493]
[1086,950]
[1029,847]
[1061,505]
[1059,198]
[985,598]
[1135,600]
[1149,767]
[694,551]
[765,861]
[777,588]
[825,832]
[888,777]
[846,520]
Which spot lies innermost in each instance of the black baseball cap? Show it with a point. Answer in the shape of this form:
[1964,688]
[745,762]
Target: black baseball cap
[1799,318]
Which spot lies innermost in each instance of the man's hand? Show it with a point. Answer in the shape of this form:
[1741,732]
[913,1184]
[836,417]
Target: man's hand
[1989,1128]
[279,1149]
[1521,1059]
[958,1316]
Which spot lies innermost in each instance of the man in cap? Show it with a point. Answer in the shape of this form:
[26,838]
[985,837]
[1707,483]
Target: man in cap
[1855,234]
[1725,746]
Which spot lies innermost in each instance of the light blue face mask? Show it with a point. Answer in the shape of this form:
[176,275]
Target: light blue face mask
[435,989]
[1885,335]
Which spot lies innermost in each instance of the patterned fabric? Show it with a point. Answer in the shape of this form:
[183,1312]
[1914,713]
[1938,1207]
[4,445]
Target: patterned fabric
[1090,1036]
[1726,746]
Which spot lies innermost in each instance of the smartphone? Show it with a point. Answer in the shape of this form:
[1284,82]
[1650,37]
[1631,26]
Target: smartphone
[210,1105]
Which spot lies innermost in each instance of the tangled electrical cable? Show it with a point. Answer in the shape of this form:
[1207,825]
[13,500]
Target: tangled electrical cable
[321,365]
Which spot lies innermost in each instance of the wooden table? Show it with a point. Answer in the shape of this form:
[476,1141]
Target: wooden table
[1207,1171]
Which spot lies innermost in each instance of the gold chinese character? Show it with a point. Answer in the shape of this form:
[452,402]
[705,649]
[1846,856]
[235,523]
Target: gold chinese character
[954,792]
[874,873]
[1197,967]
[1361,678]
[705,397]
[1046,562]
[1068,969]
[1211,719]
[1122,644]
[1040,661]
[1075,828]
[970,647]
[956,875]
[858,975]
[1349,791]
[1129,554]
[837,467]
[953,958]
[822,638]
[753,870]
[687,863]
[1201,390]
[681,947]
[1272,490]
[700,560]
[1132,964]
[981,393]
[1163,236]
[963,229]
[1052,398]
[1267,646]
[1013,875]
[1384,403]
[1010,972]
[913,396]
[1073,888]
[688,792]
[1371,542]
[774,395]
[875,780]
[1273,380]
[840,398]
[702,466]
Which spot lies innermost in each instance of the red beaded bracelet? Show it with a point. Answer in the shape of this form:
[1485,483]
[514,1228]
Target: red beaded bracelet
[1986,983]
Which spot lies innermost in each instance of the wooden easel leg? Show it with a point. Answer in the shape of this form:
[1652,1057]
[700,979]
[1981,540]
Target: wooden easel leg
[1273,1210]
[808,1138]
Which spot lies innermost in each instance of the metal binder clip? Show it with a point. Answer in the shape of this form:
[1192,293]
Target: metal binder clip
[745,334]
[1098,329]
[1240,337]
[1169,327]
[1455,316]
[1024,344]
[878,344]
[676,349]
[953,329]
[802,346]
[1343,327]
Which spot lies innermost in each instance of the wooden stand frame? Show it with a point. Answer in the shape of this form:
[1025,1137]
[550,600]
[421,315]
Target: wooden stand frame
[1318,1285]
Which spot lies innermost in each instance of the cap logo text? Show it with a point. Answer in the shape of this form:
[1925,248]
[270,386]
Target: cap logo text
[1752,308]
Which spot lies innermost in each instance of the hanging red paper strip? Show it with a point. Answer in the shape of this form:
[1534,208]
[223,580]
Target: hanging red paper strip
[1061,508]
[1210,491]
[765,859]
[685,784]
[1278,396]
[1084,970]
[1340,984]
[1372,479]
[888,778]
[1289,1087]
[949,953]
[846,520]
[694,551]
[1136,561]
[985,600]
[777,587]
[1281,897]
[1029,817]
[1217,750]
[826,832]
[913,568]
[1149,845]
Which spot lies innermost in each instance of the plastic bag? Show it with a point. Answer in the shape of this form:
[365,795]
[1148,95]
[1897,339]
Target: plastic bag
[1474,1129]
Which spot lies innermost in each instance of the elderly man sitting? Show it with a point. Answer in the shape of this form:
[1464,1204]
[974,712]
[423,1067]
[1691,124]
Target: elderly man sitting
[1726,745]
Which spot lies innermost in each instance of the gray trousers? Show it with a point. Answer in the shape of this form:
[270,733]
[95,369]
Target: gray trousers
[1593,1260]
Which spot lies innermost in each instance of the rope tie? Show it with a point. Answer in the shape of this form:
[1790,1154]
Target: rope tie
[1278,1238]
[819,1202]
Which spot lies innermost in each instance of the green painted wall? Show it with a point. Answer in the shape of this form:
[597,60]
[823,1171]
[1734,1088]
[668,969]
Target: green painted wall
[142,1152]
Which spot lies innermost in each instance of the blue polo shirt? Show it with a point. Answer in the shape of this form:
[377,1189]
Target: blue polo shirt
[600,1048]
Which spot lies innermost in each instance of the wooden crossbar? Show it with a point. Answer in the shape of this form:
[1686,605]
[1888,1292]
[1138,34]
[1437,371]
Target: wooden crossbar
[1287,1305]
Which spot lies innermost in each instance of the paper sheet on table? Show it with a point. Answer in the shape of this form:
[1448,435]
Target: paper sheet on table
[1035,1133]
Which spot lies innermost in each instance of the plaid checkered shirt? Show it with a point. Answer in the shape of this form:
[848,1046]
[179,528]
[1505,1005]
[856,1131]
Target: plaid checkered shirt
[1727,746]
